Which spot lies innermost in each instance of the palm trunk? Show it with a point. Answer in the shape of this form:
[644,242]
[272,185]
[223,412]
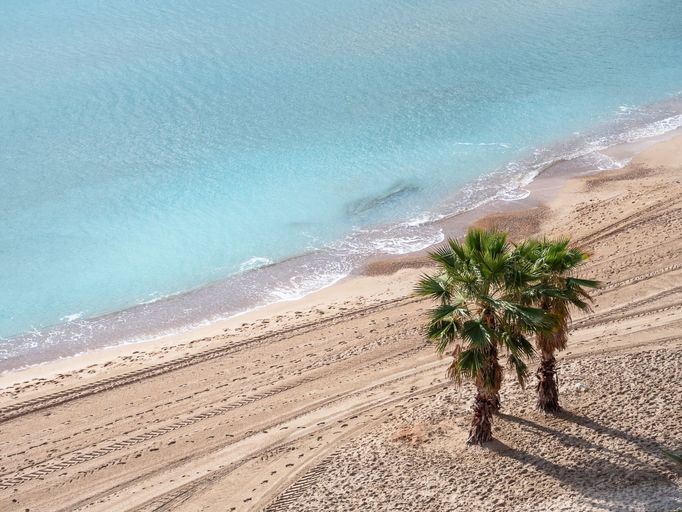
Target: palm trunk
[481,425]
[497,403]
[548,391]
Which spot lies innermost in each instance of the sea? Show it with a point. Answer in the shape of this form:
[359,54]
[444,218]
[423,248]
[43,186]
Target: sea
[168,163]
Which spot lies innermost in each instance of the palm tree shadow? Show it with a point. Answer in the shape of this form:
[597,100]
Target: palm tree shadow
[571,440]
[607,479]
[645,443]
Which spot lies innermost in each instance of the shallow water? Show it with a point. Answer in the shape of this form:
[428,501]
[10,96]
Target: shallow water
[150,148]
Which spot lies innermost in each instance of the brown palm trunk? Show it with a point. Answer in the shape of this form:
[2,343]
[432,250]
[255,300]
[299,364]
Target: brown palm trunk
[548,391]
[487,401]
[481,425]
[497,403]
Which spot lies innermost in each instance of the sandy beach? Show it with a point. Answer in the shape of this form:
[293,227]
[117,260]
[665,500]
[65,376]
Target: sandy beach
[336,401]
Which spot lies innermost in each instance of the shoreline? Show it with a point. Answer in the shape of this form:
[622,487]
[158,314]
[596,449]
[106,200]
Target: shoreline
[303,274]
[314,404]
[543,189]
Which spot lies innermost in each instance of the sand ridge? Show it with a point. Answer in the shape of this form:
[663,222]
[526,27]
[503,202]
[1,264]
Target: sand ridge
[337,402]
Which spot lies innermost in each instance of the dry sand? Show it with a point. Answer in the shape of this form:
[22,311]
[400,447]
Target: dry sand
[335,402]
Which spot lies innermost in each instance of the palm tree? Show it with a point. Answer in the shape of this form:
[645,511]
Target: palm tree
[477,287]
[558,292]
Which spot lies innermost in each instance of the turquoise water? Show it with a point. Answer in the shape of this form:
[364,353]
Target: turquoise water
[150,148]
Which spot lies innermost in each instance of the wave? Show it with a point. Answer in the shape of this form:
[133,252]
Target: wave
[72,318]
[580,153]
[407,244]
[254,263]
[301,285]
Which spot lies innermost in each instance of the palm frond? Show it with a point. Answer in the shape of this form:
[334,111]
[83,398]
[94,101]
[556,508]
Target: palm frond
[433,286]
[476,335]
[446,324]
[457,249]
[572,282]
[444,256]
[517,344]
[527,318]
[470,363]
[519,366]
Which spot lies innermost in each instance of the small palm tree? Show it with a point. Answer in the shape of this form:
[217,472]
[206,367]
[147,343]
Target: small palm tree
[558,292]
[477,288]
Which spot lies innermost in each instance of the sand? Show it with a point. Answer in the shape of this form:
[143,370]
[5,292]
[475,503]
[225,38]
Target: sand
[336,402]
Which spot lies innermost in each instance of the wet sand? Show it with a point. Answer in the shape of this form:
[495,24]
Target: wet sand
[335,402]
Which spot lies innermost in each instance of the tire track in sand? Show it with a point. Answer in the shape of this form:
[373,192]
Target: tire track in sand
[12,411]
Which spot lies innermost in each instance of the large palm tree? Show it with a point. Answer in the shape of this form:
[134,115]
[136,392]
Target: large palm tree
[558,292]
[478,286]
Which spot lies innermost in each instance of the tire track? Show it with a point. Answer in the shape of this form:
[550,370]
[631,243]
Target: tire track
[160,503]
[675,214]
[285,499]
[635,219]
[641,277]
[9,412]
[325,361]
[45,468]
[6,483]
[621,318]
[625,311]
[168,500]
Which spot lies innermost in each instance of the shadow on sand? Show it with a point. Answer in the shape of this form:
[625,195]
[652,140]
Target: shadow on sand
[611,469]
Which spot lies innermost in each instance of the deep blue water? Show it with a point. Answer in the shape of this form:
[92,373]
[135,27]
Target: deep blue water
[149,148]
